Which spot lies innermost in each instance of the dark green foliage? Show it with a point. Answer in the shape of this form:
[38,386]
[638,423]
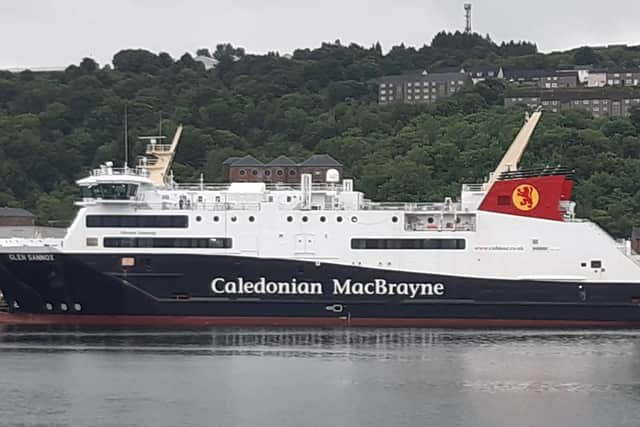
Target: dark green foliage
[585,56]
[55,126]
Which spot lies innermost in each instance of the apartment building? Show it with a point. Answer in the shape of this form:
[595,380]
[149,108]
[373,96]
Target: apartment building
[544,79]
[420,86]
[601,102]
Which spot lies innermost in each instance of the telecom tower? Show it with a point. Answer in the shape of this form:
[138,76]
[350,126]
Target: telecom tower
[467,15]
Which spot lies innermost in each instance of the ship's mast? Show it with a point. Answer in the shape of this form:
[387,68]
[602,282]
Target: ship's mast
[159,165]
[513,155]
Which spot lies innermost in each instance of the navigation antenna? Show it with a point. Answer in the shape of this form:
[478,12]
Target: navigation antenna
[126,139]
[467,15]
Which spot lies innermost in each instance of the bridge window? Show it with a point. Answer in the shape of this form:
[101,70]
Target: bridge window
[112,191]
[137,221]
[167,242]
[408,244]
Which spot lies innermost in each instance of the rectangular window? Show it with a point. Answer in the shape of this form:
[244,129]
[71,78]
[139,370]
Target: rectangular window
[137,221]
[408,243]
[167,242]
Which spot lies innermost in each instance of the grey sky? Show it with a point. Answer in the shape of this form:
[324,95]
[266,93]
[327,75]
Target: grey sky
[60,32]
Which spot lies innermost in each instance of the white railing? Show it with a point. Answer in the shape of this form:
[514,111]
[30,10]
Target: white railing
[199,186]
[473,187]
[412,207]
[106,171]
[158,148]
[146,162]
[199,206]
[203,186]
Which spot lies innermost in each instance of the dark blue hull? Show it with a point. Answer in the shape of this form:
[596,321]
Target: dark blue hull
[164,288]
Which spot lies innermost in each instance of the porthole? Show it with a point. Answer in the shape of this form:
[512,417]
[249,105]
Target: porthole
[64,307]
[254,172]
[323,219]
[339,219]
[305,219]
[430,220]
[354,219]
[48,306]
[289,219]
[198,218]
[216,218]
[242,172]
[279,173]
[77,307]
[234,218]
[292,172]
[252,218]
[267,173]
[394,219]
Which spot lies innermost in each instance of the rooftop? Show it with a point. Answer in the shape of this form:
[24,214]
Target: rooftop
[422,75]
[14,212]
[321,160]
[566,94]
[281,161]
[231,160]
[531,74]
[247,160]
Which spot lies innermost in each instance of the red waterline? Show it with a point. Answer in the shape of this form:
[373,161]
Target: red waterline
[119,320]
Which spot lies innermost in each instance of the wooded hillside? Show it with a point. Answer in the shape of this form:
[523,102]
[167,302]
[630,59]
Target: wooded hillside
[55,126]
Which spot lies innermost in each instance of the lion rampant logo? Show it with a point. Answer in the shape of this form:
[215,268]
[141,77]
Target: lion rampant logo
[525,197]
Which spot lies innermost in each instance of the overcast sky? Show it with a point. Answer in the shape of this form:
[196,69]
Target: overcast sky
[42,33]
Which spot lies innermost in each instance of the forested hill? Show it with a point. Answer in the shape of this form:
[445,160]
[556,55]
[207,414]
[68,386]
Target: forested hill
[56,126]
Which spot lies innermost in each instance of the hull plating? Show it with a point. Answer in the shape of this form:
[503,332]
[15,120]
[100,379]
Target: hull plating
[182,290]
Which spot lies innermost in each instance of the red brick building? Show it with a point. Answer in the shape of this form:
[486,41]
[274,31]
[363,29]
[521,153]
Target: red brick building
[12,217]
[279,170]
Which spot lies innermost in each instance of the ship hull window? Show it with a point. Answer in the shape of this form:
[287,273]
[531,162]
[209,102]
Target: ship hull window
[137,221]
[167,242]
[429,244]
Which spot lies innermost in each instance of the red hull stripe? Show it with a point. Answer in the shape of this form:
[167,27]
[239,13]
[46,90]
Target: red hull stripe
[47,319]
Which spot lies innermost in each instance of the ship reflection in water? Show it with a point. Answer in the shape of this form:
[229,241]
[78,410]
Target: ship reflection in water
[315,377]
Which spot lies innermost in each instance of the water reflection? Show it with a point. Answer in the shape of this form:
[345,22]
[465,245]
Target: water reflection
[290,377]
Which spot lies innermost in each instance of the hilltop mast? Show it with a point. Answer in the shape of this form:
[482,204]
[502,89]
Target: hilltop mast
[467,15]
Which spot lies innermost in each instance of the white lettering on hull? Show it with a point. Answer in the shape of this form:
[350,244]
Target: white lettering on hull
[31,257]
[262,286]
[382,287]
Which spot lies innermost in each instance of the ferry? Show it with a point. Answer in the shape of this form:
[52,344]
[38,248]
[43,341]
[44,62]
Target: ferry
[143,249]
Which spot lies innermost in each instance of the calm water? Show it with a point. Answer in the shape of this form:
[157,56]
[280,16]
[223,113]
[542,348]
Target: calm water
[316,377]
